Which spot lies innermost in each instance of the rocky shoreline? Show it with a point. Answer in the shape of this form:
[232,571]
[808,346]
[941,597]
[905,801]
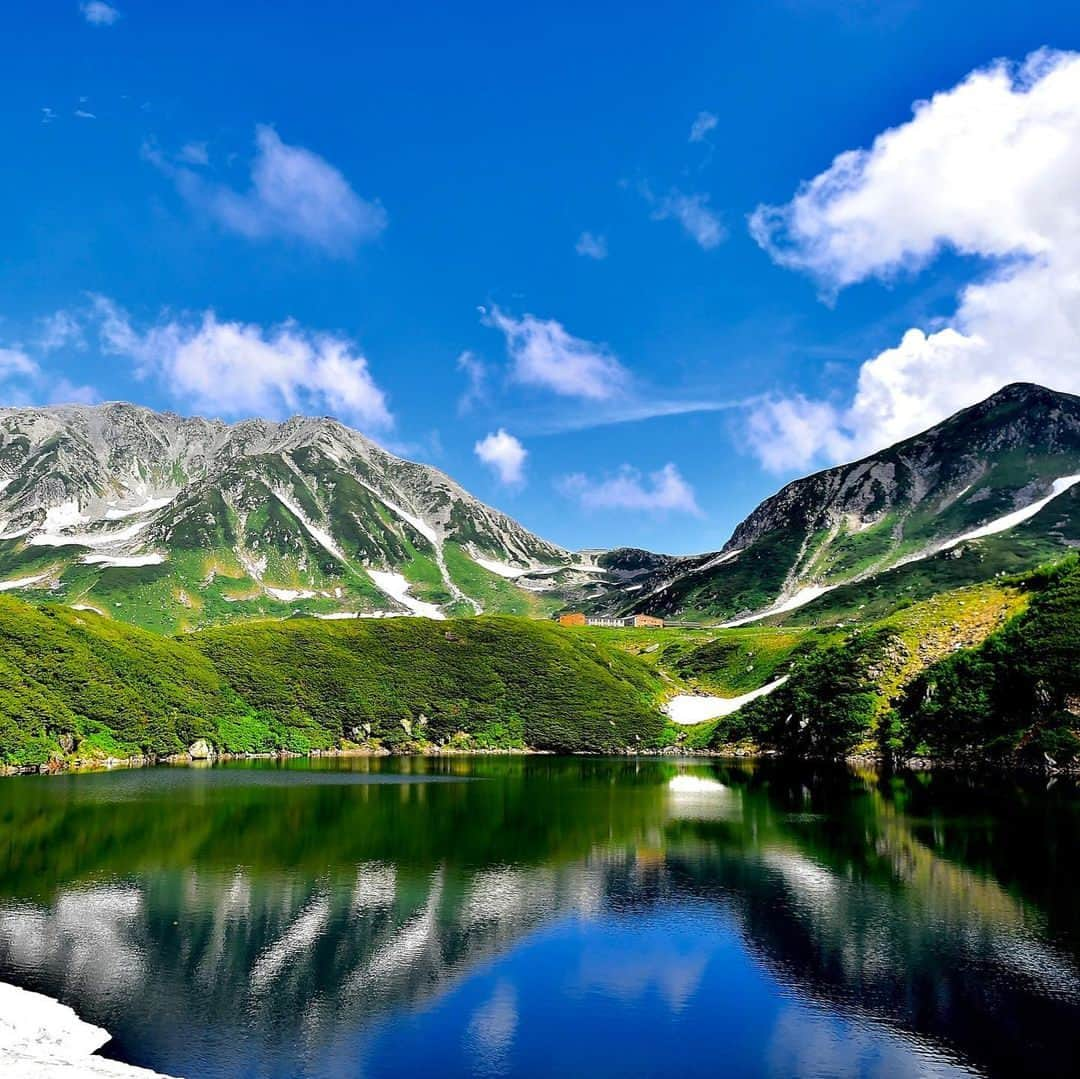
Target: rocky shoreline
[206,755]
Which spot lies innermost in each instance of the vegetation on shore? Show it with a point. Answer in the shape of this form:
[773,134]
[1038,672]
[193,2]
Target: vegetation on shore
[76,685]
[990,671]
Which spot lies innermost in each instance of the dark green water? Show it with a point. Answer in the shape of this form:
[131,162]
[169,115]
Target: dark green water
[550,916]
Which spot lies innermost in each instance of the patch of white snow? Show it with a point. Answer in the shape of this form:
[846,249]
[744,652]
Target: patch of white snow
[287,595]
[40,1038]
[686,709]
[119,561]
[500,568]
[799,599]
[1011,520]
[395,586]
[116,513]
[21,582]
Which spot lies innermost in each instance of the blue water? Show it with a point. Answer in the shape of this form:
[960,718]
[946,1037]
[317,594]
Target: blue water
[543,916]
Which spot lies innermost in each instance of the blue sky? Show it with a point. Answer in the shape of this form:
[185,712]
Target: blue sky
[577,257]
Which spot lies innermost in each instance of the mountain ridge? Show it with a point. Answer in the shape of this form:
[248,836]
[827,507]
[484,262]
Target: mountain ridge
[179,522]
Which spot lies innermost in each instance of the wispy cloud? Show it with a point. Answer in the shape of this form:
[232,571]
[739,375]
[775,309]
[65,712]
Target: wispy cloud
[663,491]
[644,404]
[542,353]
[591,246]
[698,219]
[294,193]
[703,123]
[82,114]
[476,375]
[504,455]
[194,153]
[23,381]
[98,13]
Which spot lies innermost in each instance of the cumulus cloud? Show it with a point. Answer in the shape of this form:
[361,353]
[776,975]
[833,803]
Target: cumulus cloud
[227,368]
[703,123]
[542,353]
[294,193]
[504,455]
[98,13]
[988,168]
[591,246]
[662,491]
[700,222]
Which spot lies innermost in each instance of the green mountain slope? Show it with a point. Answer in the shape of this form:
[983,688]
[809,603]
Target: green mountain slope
[177,523]
[848,526]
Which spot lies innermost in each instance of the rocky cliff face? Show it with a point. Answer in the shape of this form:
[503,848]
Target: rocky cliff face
[117,505]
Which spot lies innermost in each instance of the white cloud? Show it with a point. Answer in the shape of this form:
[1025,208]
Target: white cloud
[703,123]
[14,361]
[505,455]
[661,491]
[47,114]
[97,13]
[61,330]
[697,218]
[543,354]
[294,193]
[591,246]
[24,382]
[240,369]
[194,153]
[82,114]
[988,168]
[476,374]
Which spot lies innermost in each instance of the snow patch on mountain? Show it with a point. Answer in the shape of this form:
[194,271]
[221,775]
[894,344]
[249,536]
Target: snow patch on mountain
[1011,520]
[396,587]
[500,568]
[117,561]
[116,513]
[792,603]
[21,582]
[321,536]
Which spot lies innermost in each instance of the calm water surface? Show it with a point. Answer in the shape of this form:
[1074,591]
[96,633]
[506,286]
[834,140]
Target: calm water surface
[494,916]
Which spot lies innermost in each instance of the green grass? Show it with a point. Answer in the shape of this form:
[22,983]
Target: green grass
[78,684]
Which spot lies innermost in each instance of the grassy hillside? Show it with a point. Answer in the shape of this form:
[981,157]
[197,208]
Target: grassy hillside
[1018,694]
[75,684]
[843,689]
[502,680]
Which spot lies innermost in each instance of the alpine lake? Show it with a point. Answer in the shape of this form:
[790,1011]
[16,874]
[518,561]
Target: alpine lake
[537,915]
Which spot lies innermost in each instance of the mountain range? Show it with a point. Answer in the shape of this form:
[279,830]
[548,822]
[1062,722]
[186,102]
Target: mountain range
[175,523]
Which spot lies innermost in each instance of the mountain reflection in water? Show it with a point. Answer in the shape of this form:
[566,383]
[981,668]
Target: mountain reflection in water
[524,915]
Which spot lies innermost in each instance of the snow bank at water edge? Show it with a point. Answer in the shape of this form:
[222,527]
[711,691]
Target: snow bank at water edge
[40,1038]
[686,709]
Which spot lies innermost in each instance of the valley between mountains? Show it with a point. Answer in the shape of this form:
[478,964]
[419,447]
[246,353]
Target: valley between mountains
[292,586]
